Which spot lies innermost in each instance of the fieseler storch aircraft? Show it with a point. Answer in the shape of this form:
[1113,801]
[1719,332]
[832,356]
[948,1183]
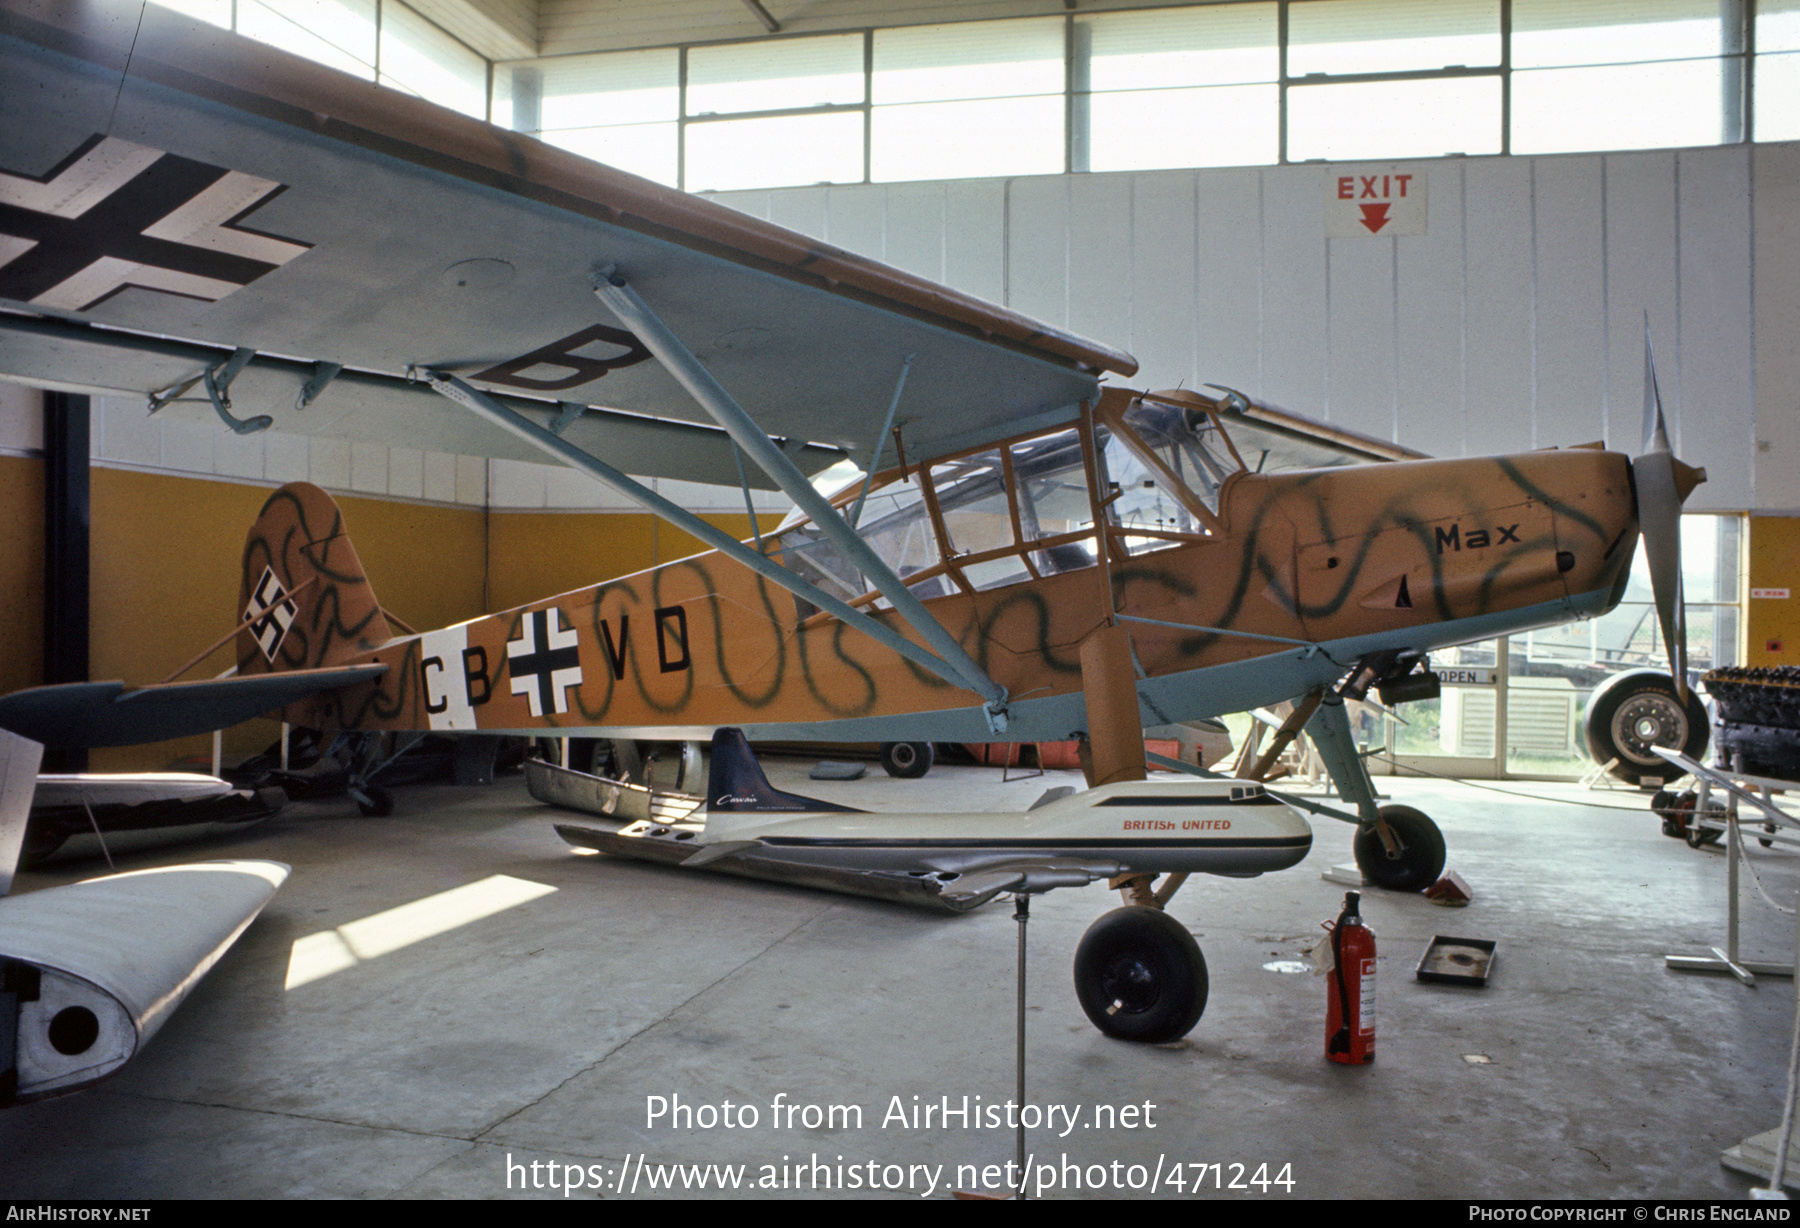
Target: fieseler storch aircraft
[241,236]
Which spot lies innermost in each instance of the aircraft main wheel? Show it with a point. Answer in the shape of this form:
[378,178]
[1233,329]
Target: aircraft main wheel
[1631,712]
[1140,976]
[1421,858]
[906,760]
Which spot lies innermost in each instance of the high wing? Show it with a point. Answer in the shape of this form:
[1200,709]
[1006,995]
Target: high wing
[176,201]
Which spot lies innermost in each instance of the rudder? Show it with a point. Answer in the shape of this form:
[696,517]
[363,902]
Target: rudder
[736,784]
[304,595]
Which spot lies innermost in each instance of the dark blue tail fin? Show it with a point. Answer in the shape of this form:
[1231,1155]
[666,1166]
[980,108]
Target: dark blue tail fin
[736,783]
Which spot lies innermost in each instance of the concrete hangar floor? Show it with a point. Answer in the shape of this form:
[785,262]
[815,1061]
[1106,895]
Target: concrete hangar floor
[549,1031]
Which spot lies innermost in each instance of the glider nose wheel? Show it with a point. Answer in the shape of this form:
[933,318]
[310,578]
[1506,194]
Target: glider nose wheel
[906,760]
[1140,976]
[1633,712]
[1421,856]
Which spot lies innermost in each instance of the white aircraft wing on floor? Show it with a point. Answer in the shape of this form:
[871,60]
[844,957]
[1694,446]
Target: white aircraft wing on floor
[90,971]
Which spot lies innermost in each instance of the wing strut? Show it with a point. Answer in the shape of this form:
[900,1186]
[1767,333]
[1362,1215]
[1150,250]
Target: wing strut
[576,458]
[612,289]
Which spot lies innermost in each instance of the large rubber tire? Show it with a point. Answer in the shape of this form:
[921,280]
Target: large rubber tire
[1631,712]
[1421,858]
[1140,976]
[907,760]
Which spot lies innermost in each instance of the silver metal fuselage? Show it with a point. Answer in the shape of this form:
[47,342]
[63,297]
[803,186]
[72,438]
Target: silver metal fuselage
[1229,827]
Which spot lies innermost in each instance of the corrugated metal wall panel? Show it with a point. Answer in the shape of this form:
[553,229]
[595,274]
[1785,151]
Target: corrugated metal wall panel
[1718,403]
[1037,248]
[1295,342]
[1163,298]
[1430,402]
[1101,244]
[1360,379]
[1776,275]
[1498,288]
[1514,321]
[975,244]
[1640,277]
[1569,365]
[1227,283]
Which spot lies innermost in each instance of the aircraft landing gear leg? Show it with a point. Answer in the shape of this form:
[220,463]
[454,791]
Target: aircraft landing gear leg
[1134,889]
[370,798]
[1397,847]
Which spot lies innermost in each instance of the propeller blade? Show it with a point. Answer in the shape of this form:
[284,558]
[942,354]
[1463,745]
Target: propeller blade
[1656,434]
[1662,484]
[1659,518]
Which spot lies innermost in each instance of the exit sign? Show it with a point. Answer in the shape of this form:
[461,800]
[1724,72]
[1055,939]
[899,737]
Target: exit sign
[1382,201]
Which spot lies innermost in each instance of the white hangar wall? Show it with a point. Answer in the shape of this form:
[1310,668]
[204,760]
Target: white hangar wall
[1514,321]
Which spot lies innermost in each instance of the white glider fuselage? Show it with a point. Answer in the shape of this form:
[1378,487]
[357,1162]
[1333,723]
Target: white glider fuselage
[1229,827]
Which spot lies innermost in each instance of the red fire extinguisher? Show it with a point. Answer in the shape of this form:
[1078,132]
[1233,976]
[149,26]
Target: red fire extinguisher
[1350,998]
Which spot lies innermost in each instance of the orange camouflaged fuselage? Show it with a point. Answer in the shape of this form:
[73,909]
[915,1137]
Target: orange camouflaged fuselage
[1420,553]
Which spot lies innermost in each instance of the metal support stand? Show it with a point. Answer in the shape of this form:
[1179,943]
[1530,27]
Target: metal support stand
[1727,960]
[1768,1154]
[95,824]
[1021,914]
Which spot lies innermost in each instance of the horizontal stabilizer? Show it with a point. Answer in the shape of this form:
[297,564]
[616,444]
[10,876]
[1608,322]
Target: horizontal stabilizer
[106,714]
[718,852]
[90,971]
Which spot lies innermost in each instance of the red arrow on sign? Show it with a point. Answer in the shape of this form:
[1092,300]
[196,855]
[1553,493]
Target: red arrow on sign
[1375,217]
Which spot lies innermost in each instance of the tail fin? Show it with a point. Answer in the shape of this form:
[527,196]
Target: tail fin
[736,784]
[304,592]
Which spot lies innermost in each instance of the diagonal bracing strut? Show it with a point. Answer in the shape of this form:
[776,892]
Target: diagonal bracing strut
[508,419]
[612,289]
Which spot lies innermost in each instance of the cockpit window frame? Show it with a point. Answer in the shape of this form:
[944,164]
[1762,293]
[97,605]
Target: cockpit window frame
[1111,415]
[950,566]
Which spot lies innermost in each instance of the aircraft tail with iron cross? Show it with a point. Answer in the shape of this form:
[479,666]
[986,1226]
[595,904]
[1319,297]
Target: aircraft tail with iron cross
[305,601]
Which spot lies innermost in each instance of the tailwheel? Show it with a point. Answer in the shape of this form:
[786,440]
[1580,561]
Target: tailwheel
[373,800]
[1140,976]
[1419,860]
